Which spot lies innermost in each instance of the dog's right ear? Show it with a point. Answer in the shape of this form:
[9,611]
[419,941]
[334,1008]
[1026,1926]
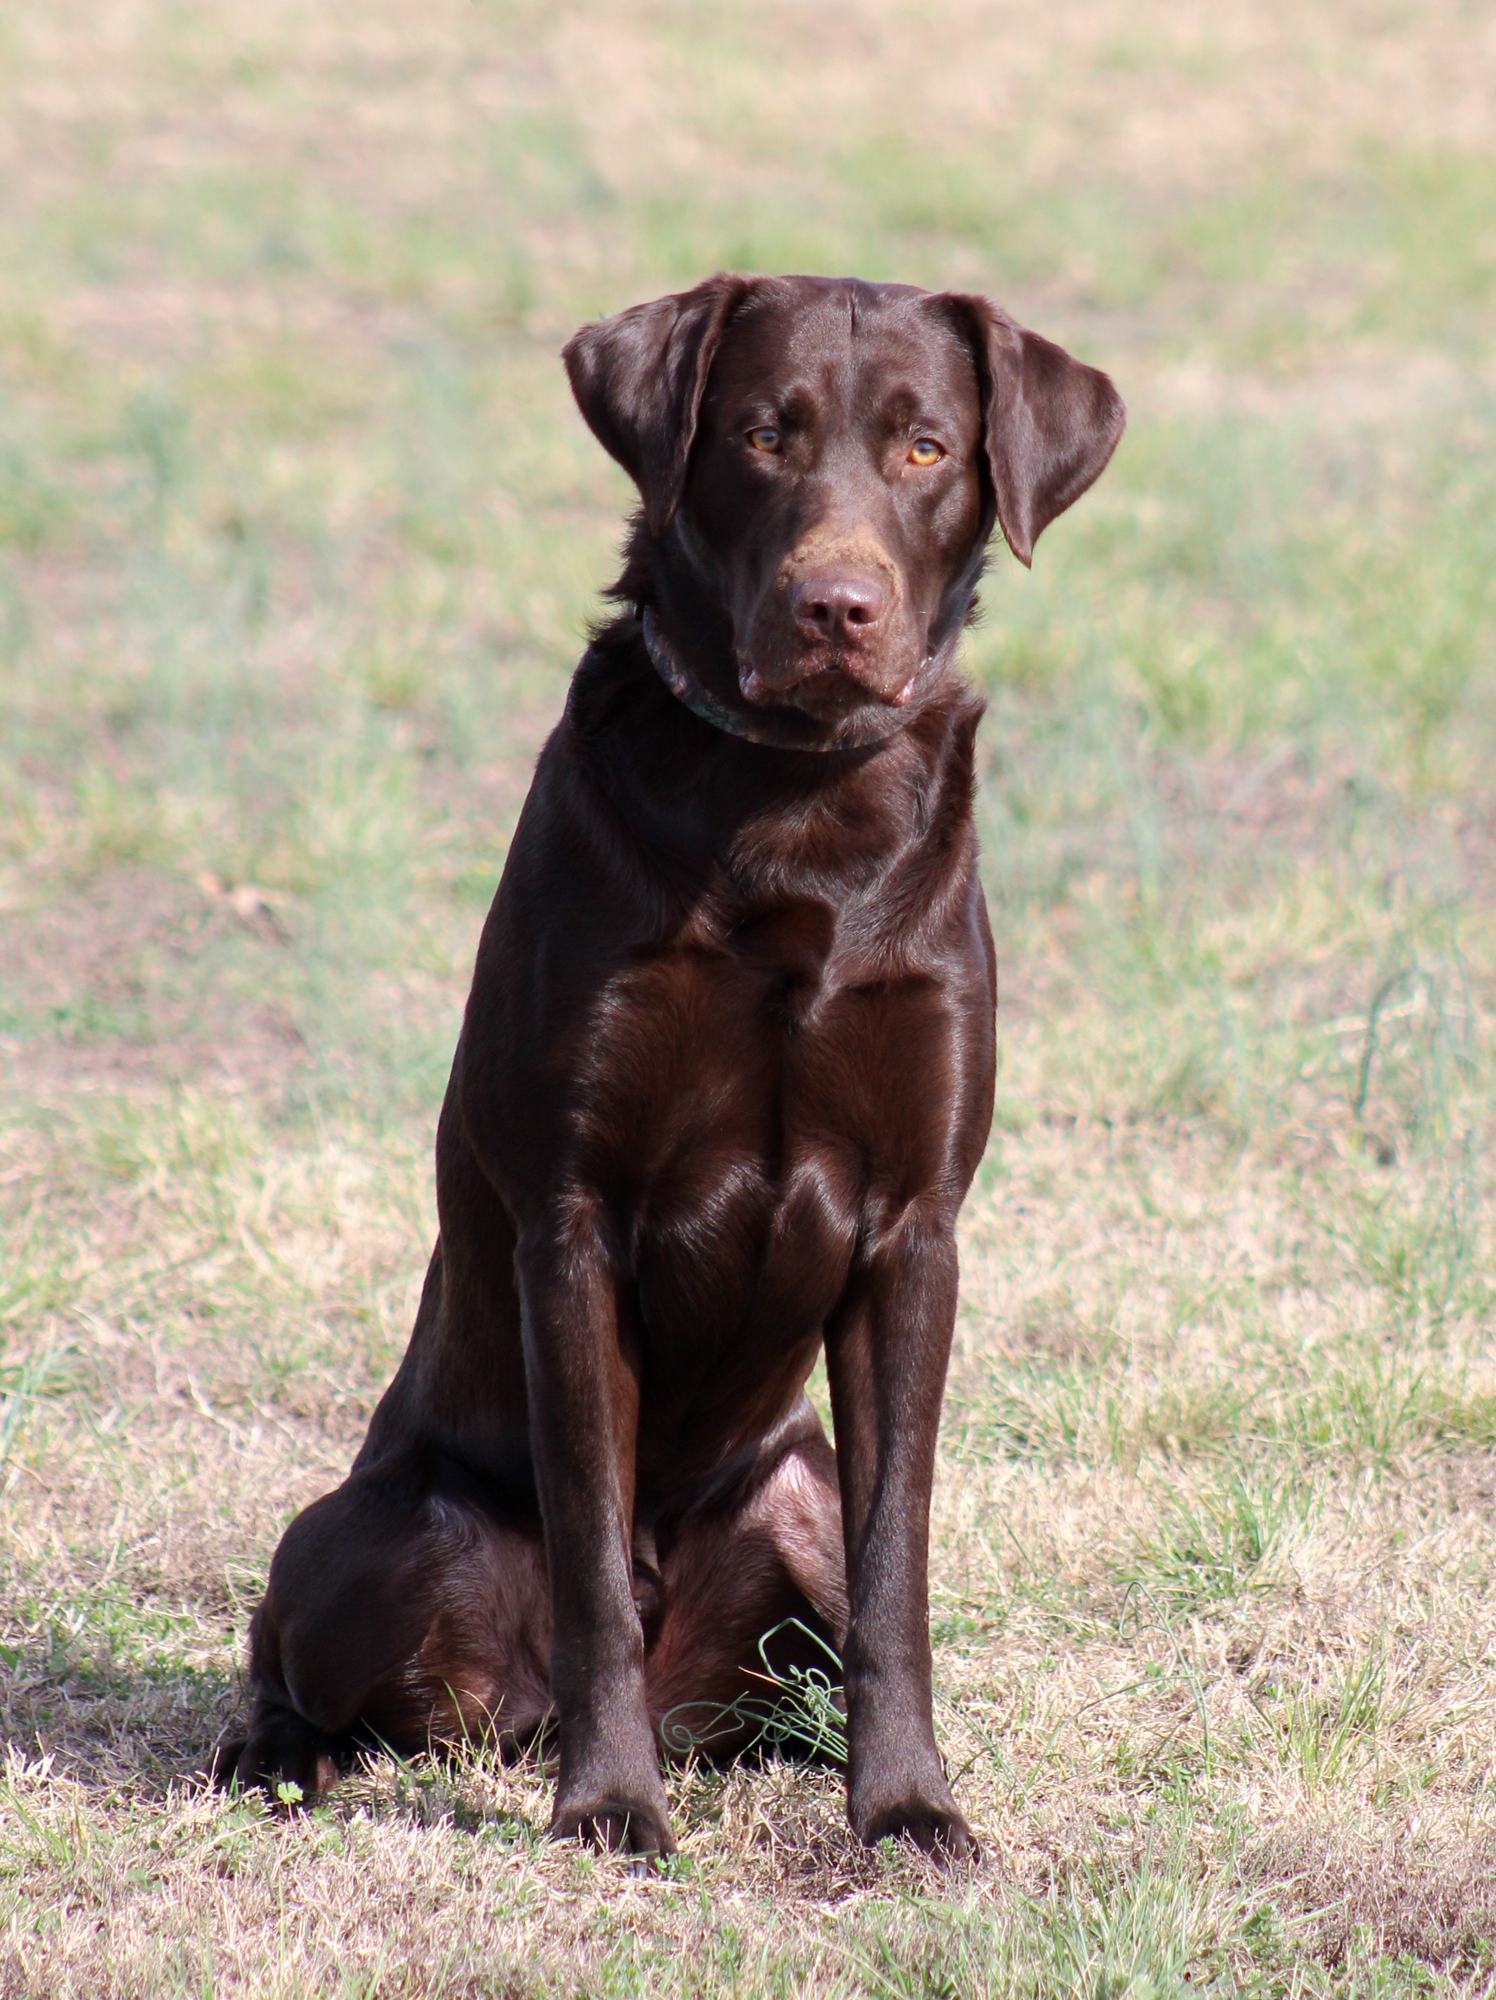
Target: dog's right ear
[638,380]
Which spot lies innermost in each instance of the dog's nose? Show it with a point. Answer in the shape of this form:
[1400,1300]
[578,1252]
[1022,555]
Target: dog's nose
[838,603]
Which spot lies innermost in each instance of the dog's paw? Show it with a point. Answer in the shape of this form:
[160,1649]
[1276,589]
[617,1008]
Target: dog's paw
[283,1757]
[615,1826]
[222,1770]
[937,1830]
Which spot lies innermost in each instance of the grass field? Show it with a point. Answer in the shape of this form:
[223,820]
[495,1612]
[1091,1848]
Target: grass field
[298,537]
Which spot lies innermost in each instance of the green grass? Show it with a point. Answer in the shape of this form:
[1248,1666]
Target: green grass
[299,535]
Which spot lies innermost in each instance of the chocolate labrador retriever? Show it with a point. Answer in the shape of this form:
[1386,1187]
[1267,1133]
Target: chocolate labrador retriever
[724,1078]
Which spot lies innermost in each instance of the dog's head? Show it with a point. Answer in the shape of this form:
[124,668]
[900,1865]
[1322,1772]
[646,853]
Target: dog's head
[827,459]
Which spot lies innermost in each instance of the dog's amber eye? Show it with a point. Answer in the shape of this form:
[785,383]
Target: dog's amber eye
[765,438]
[925,451]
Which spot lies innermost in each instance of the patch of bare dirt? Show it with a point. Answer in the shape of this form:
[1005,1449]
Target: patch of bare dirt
[144,979]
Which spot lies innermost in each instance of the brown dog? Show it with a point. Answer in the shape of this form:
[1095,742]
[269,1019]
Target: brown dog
[724,1079]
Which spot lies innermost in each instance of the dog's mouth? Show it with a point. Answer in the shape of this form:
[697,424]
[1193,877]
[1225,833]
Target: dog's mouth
[827,682]
[818,711]
[831,685]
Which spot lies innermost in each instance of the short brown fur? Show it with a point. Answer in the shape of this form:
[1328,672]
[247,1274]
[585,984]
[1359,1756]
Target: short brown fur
[725,1075]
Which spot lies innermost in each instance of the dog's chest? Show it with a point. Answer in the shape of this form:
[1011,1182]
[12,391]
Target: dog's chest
[750,1103]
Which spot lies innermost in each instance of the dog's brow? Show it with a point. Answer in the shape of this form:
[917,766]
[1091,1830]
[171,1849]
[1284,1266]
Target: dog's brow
[900,407]
[794,403]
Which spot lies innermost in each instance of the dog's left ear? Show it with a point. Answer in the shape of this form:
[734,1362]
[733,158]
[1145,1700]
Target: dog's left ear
[1051,422]
[638,380]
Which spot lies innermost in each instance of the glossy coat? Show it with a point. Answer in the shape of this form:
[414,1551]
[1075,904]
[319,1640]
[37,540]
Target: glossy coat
[724,1078]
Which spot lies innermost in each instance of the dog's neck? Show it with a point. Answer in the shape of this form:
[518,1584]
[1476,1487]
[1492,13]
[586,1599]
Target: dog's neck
[696,794]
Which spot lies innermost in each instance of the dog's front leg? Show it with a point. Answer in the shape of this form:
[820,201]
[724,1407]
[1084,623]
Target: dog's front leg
[886,1356]
[584,1405]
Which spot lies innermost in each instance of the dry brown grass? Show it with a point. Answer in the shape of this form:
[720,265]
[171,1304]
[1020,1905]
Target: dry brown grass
[297,535]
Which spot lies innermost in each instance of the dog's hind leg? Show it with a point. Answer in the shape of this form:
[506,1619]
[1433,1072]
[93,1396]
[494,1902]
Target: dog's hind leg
[773,1564]
[395,1614]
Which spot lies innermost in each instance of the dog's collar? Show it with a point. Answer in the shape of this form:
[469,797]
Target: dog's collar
[683,684]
